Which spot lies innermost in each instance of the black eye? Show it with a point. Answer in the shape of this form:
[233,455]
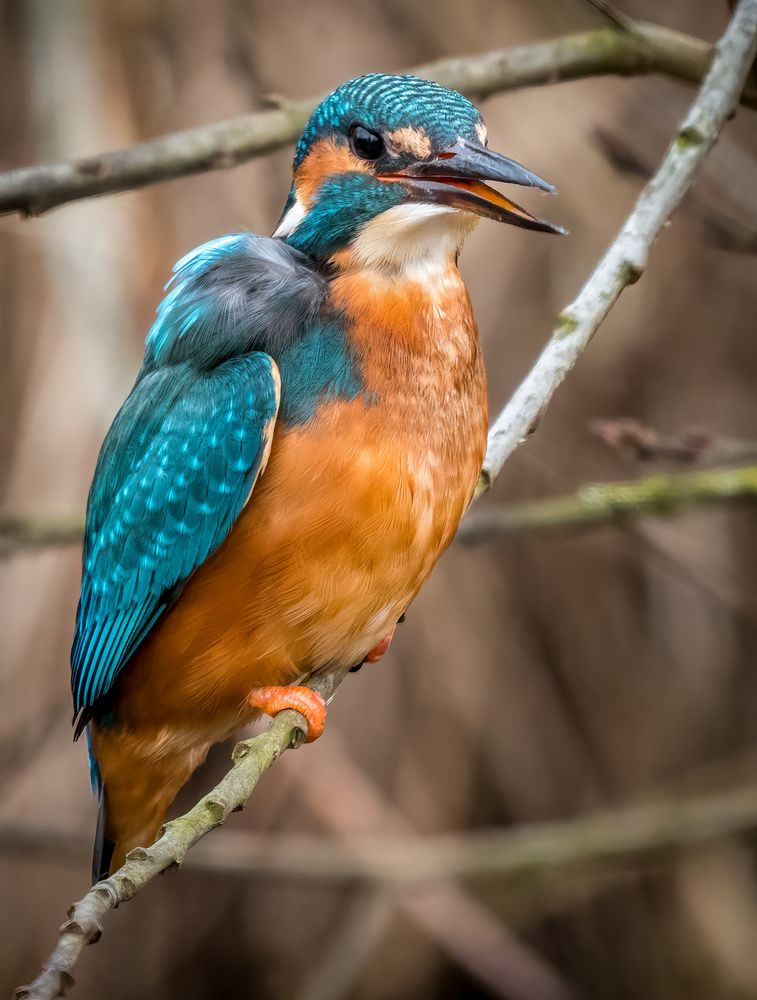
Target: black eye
[368,145]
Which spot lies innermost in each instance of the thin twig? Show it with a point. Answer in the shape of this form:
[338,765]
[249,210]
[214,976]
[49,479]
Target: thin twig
[723,208]
[612,14]
[625,260]
[632,439]
[600,503]
[639,49]
[621,265]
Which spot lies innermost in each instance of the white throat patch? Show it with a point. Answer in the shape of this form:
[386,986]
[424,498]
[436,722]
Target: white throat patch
[414,239]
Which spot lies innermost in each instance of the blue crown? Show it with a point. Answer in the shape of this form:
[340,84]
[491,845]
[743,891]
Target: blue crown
[382,102]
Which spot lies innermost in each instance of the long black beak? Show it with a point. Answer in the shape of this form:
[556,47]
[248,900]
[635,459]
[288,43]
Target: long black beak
[455,178]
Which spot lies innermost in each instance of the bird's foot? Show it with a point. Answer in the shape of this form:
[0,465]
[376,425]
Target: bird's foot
[272,700]
[379,649]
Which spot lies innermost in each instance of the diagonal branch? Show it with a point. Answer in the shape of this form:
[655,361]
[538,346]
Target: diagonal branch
[252,758]
[626,257]
[636,49]
[622,264]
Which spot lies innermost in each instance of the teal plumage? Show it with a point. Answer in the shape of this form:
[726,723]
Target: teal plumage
[183,453]
[382,102]
[176,502]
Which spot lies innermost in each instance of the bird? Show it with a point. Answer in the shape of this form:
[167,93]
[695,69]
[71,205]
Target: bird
[305,432]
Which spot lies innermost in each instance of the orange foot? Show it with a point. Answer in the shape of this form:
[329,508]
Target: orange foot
[307,702]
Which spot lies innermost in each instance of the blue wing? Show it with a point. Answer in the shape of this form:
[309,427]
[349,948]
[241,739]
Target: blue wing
[181,458]
[176,503]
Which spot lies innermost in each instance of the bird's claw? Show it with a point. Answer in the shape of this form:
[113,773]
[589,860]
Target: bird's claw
[272,700]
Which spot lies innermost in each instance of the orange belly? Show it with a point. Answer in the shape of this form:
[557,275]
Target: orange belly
[347,521]
[343,528]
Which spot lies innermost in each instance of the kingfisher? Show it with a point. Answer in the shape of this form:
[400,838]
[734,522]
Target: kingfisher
[303,437]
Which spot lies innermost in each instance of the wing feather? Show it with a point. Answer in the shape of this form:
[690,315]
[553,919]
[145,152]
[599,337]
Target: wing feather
[175,504]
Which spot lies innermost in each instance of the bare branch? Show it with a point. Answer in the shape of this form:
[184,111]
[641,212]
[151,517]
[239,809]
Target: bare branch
[622,264]
[252,758]
[628,833]
[722,206]
[633,439]
[637,49]
[626,258]
[17,532]
[663,494]
[600,503]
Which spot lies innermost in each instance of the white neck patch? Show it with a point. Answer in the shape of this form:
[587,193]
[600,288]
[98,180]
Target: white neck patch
[415,240]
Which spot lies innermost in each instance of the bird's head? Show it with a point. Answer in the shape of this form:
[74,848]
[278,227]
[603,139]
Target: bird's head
[393,168]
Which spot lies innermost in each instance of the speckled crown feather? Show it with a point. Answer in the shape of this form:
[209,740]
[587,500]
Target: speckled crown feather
[383,102]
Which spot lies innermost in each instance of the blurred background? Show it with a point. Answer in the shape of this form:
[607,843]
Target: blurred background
[539,676]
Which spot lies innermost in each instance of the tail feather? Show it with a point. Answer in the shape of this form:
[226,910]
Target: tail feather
[102,852]
[135,787]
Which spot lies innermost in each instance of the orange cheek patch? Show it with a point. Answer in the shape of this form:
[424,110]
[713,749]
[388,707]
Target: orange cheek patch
[326,158]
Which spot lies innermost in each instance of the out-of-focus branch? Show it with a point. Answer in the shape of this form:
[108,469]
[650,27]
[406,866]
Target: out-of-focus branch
[626,258]
[637,49]
[662,494]
[727,219]
[622,264]
[612,14]
[626,834]
[636,440]
[597,503]
[17,532]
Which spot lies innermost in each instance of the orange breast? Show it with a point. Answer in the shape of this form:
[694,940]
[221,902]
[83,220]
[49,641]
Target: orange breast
[346,523]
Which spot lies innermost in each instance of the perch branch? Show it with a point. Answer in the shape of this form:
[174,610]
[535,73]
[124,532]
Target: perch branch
[717,98]
[252,758]
[637,49]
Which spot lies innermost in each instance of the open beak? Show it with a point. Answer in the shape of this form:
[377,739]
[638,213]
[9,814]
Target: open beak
[456,178]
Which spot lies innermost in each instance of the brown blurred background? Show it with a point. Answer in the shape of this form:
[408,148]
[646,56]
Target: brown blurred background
[537,677]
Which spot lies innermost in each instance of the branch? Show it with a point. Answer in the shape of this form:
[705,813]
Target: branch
[722,208]
[623,263]
[639,49]
[627,833]
[632,439]
[626,258]
[533,849]
[18,532]
[597,503]
[662,494]
[252,758]
[622,834]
